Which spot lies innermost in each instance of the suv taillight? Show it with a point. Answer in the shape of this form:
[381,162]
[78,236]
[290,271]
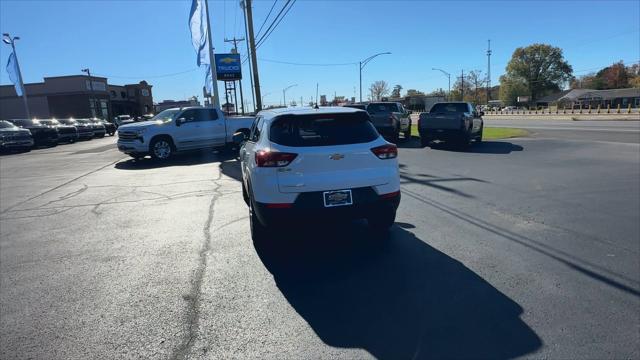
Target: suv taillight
[385,151]
[274,158]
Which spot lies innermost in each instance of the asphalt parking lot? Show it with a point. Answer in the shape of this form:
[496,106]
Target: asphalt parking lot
[526,247]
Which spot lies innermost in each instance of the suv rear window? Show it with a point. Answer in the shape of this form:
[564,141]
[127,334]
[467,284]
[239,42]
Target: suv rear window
[449,107]
[382,108]
[322,129]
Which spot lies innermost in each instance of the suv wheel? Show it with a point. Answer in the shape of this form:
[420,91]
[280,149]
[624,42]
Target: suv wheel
[258,231]
[161,148]
[244,194]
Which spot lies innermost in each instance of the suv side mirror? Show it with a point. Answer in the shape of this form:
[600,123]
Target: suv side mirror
[239,137]
[481,113]
[180,121]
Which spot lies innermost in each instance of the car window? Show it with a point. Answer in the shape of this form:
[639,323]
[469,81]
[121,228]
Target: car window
[256,130]
[449,107]
[210,114]
[322,129]
[6,125]
[382,108]
[192,115]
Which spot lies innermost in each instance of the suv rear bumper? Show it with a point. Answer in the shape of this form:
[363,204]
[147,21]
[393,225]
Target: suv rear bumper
[309,207]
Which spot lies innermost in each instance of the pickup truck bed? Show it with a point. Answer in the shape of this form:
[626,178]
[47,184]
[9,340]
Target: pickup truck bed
[450,122]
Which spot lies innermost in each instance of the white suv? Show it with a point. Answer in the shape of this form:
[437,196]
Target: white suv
[322,163]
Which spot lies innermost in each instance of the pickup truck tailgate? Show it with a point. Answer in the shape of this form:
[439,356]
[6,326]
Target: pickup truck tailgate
[440,121]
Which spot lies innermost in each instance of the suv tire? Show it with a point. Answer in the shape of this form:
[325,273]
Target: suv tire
[407,134]
[161,148]
[259,232]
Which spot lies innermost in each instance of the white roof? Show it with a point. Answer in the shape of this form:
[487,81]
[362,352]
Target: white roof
[307,111]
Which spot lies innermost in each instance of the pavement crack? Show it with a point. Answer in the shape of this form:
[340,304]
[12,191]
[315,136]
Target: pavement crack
[193,297]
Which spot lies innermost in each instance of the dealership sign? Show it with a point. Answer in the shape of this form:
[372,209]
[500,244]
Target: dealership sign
[228,67]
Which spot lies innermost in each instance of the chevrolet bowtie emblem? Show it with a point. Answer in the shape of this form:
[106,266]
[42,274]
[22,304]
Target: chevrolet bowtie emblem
[228,60]
[336,157]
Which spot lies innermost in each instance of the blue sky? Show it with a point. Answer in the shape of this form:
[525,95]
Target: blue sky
[129,41]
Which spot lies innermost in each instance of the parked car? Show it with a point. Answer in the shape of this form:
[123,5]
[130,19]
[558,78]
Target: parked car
[14,138]
[451,121]
[357,106]
[85,130]
[326,163]
[109,127]
[180,129]
[390,119]
[98,129]
[122,120]
[66,133]
[43,135]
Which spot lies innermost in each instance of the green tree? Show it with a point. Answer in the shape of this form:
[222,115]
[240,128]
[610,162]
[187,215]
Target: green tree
[540,67]
[395,93]
[414,92]
[510,89]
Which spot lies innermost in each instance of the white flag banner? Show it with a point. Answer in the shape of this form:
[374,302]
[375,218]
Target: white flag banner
[198,26]
[208,83]
[14,74]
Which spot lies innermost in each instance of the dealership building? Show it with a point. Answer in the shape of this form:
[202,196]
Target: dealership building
[77,96]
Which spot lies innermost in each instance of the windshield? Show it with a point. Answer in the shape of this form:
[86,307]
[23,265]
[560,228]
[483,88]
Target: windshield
[6,125]
[322,129]
[376,108]
[449,108]
[166,115]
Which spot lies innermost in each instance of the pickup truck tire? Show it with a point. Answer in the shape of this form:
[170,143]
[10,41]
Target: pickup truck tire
[245,196]
[479,137]
[395,138]
[424,142]
[161,148]
[407,134]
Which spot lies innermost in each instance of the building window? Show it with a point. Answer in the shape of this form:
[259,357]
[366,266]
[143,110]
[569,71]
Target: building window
[113,93]
[144,92]
[123,94]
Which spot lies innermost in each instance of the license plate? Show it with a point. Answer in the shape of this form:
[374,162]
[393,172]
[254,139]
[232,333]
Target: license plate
[337,198]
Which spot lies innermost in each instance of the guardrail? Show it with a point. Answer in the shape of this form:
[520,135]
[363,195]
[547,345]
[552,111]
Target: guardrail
[565,111]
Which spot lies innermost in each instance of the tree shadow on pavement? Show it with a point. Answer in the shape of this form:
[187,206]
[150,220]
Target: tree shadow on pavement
[180,159]
[397,298]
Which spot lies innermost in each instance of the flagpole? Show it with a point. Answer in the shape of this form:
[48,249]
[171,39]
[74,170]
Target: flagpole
[215,99]
[24,89]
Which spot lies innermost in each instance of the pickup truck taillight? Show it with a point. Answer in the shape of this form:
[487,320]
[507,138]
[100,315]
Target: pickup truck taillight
[274,158]
[384,152]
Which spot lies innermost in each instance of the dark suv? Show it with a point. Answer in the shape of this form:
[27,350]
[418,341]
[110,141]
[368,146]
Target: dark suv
[14,138]
[85,131]
[66,133]
[42,134]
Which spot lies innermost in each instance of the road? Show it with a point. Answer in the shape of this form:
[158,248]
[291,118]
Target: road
[518,248]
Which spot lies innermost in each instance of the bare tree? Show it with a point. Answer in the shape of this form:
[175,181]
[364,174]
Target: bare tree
[379,89]
[476,80]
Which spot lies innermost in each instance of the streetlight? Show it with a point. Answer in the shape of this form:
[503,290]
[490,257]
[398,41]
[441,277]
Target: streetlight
[94,108]
[284,93]
[449,77]
[7,39]
[263,95]
[363,63]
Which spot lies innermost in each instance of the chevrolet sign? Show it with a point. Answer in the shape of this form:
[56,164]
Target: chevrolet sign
[228,67]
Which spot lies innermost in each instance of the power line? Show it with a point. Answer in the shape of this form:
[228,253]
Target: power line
[275,22]
[308,64]
[267,18]
[147,77]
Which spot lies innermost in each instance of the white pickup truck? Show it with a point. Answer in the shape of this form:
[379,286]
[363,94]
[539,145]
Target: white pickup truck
[180,129]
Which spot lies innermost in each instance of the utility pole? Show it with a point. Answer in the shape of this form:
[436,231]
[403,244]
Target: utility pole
[93,95]
[449,78]
[488,72]
[7,39]
[215,100]
[235,51]
[254,60]
[246,35]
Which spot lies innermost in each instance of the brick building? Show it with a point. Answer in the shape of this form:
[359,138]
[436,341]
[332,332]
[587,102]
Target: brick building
[76,96]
